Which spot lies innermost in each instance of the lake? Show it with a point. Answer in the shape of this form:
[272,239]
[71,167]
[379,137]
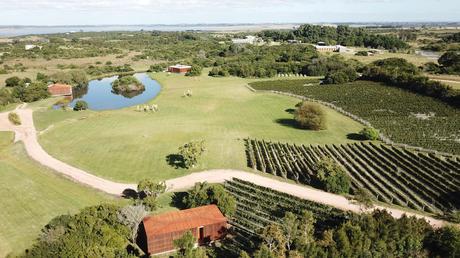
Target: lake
[99,95]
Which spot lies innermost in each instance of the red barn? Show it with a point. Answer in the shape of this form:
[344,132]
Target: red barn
[206,223]
[179,68]
[58,89]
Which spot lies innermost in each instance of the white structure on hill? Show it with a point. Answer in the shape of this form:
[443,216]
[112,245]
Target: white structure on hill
[30,47]
[248,40]
[336,48]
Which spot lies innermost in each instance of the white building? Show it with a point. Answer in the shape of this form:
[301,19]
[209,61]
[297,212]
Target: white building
[336,48]
[248,40]
[30,47]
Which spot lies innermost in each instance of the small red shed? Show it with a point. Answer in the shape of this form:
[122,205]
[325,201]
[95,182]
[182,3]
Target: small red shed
[179,68]
[206,223]
[58,89]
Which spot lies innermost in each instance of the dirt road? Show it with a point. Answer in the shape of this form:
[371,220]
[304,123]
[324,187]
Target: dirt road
[27,133]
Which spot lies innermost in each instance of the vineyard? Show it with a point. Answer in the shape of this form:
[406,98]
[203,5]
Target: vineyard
[402,116]
[259,206]
[421,181]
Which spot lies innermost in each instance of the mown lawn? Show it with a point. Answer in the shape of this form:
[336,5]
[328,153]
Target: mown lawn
[126,145]
[31,195]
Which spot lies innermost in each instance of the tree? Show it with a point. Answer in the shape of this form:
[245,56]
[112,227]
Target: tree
[273,237]
[306,230]
[290,225]
[35,91]
[80,105]
[191,152]
[132,216]
[332,177]
[149,191]
[369,133]
[264,252]
[445,242]
[205,194]
[244,254]
[364,198]
[185,244]
[310,116]
[195,71]
[12,81]
[450,61]
[14,118]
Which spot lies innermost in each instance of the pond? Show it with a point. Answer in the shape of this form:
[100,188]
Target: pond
[99,95]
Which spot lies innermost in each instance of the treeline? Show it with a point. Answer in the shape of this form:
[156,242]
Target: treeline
[369,235]
[341,35]
[449,63]
[400,73]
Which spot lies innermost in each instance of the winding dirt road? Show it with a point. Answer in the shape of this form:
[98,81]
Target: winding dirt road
[27,133]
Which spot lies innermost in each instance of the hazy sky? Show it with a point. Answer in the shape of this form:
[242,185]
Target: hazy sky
[82,12]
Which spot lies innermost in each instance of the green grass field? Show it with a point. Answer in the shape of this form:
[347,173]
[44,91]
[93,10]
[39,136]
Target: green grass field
[126,145]
[32,195]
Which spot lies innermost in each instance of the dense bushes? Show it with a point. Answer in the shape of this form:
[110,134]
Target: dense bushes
[450,62]
[310,116]
[342,35]
[205,194]
[109,69]
[127,84]
[35,91]
[332,177]
[195,71]
[400,73]
[80,105]
[369,133]
[14,118]
[94,232]
[76,78]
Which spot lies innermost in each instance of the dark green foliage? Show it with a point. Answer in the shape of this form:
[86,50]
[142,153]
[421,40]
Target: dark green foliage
[218,72]
[205,194]
[195,71]
[398,72]
[35,91]
[366,235]
[12,81]
[109,69]
[347,36]
[362,53]
[127,84]
[191,152]
[6,97]
[332,177]
[148,192]
[80,105]
[453,38]
[94,232]
[445,242]
[450,62]
[42,77]
[157,68]
[369,133]
[390,110]
[76,78]
[14,118]
[310,116]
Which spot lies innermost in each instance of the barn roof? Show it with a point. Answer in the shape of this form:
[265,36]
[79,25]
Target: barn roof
[59,89]
[183,220]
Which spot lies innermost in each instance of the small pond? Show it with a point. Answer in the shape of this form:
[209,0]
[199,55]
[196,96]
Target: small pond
[99,95]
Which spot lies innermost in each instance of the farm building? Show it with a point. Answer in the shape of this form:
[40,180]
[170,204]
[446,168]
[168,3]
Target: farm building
[58,89]
[158,232]
[247,40]
[179,68]
[336,48]
[30,47]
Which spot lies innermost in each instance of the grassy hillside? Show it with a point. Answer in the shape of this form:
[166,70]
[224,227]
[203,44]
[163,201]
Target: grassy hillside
[222,112]
[32,195]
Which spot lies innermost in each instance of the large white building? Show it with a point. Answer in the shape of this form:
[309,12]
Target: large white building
[248,40]
[335,48]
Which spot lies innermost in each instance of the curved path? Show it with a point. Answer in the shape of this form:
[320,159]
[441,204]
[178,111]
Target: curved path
[28,134]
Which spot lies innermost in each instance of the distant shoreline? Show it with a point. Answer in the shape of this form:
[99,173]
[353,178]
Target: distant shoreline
[24,30]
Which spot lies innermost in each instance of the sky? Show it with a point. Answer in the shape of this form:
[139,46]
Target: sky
[126,12]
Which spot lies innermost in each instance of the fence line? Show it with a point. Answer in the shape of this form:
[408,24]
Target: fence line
[382,137]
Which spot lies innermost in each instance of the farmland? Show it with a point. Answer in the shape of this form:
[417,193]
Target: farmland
[222,112]
[392,175]
[402,116]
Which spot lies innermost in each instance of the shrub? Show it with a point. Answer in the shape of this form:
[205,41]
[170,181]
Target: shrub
[80,105]
[157,68]
[195,71]
[12,81]
[205,194]
[310,116]
[362,53]
[14,118]
[332,177]
[191,152]
[369,133]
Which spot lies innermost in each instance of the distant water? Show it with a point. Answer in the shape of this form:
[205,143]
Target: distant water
[99,95]
[10,31]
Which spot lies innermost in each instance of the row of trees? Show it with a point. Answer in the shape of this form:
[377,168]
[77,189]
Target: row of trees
[400,73]
[369,235]
[342,35]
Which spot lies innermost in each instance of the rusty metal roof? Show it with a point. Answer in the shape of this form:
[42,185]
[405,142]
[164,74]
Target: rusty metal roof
[183,220]
[59,89]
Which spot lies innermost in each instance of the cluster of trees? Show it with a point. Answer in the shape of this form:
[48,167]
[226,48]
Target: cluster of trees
[23,90]
[310,116]
[368,235]
[108,69]
[204,194]
[332,177]
[449,63]
[342,35]
[195,71]
[126,84]
[191,152]
[400,73]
